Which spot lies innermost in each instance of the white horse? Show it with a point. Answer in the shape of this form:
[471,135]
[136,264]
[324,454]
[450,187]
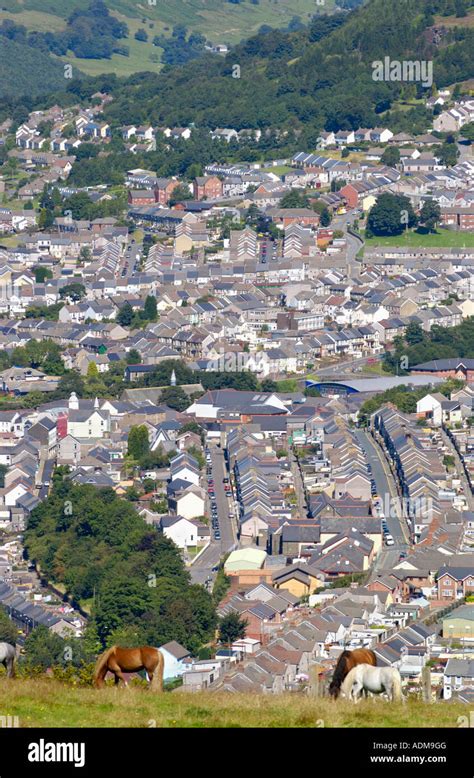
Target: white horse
[8,657]
[366,678]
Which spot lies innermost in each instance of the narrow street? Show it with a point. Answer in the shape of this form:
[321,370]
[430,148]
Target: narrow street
[386,490]
[202,569]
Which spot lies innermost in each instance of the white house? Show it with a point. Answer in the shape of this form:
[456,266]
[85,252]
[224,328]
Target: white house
[174,655]
[185,467]
[430,407]
[189,503]
[180,530]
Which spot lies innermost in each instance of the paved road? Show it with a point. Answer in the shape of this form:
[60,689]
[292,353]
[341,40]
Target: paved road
[202,569]
[386,490]
[342,222]
[219,471]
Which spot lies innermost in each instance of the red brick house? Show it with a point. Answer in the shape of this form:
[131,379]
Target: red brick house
[141,197]
[458,218]
[351,193]
[283,217]
[388,584]
[455,582]
[207,188]
[452,367]
[164,189]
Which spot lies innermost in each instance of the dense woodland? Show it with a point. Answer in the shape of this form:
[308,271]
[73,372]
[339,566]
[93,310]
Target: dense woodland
[130,576]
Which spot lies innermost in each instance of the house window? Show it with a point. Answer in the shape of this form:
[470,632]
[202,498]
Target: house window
[446,593]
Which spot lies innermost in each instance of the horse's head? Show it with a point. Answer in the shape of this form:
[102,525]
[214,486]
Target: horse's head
[334,690]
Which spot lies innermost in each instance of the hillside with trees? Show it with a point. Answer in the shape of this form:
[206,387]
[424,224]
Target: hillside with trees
[128,575]
[28,71]
[304,79]
[319,77]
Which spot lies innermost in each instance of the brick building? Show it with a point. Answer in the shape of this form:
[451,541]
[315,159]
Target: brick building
[207,188]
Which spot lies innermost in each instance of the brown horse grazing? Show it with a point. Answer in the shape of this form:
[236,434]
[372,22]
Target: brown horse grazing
[118,660]
[348,660]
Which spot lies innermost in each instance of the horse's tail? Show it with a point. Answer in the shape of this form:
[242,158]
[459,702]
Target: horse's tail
[101,664]
[157,678]
[397,695]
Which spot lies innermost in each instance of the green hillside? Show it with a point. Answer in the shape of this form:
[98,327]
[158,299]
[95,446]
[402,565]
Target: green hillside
[220,20]
[49,703]
[313,78]
[24,70]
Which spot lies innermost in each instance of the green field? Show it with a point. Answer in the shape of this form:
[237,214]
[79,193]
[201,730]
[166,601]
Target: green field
[219,20]
[49,703]
[440,239]
[140,53]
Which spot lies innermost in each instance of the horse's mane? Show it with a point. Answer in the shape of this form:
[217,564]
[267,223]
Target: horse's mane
[102,661]
[340,670]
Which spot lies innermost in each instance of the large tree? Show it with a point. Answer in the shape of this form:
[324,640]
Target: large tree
[125,315]
[138,442]
[391,215]
[430,215]
[232,627]
[8,631]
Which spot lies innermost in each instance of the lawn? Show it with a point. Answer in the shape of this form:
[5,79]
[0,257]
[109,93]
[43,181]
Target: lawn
[440,239]
[50,703]
[279,170]
[140,52]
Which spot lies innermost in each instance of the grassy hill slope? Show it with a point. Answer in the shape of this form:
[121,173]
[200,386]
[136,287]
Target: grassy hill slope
[49,703]
[220,20]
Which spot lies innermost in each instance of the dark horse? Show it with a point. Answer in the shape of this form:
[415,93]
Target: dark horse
[118,660]
[348,660]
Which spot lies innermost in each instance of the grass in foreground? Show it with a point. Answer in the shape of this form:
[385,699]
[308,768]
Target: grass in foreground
[49,703]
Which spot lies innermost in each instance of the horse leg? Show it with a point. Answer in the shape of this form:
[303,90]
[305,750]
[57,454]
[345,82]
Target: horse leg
[156,683]
[355,691]
[10,665]
[116,670]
